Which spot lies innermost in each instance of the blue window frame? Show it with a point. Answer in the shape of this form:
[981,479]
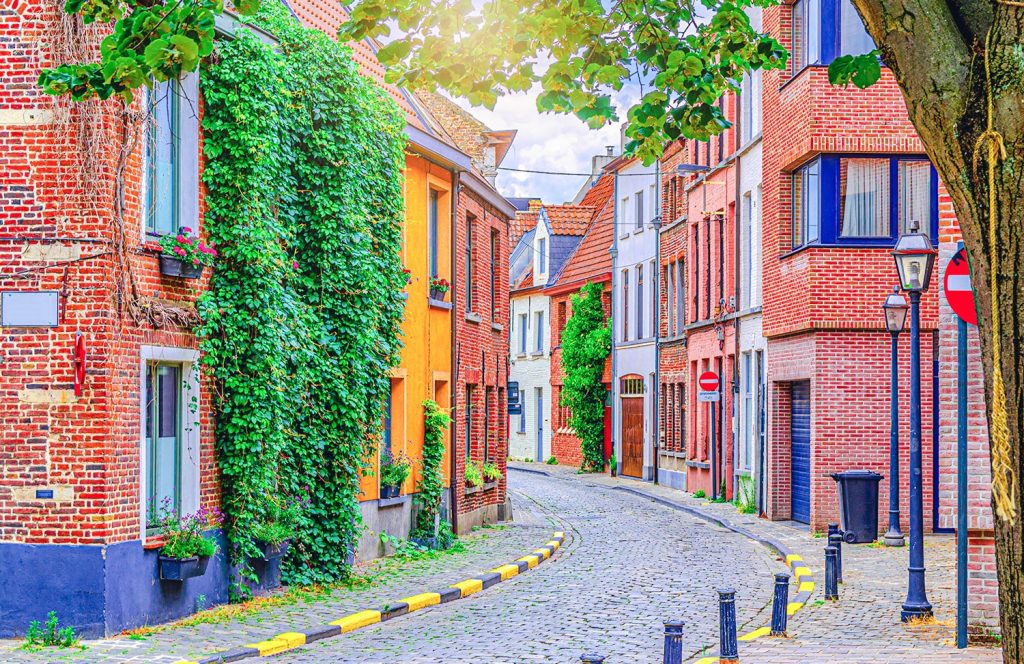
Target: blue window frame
[864,200]
[823,30]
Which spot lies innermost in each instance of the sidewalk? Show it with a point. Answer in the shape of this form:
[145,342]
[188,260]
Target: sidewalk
[864,625]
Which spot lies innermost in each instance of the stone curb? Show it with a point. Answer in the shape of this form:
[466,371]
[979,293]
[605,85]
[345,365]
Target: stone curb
[803,576]
[354,621]
[530,470]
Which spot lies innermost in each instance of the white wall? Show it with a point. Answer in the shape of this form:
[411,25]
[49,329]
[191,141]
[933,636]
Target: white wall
[532,370]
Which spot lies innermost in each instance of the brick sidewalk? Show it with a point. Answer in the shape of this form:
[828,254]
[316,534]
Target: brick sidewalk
[864,626]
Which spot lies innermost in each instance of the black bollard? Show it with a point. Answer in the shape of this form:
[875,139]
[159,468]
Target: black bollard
[780,604]
[831,585]
[836,540]
[727,647]
[833,528]
[592,659]
[673,642]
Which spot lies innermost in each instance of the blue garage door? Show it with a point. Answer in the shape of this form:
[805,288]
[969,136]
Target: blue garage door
[800,431]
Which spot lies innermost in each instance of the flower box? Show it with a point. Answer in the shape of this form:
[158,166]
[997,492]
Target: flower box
[179,569]
[390,490]
[439,295]
[272,551]
[173,267]
[490,485]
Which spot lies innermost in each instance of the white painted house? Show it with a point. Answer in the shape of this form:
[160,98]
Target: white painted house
[634,301]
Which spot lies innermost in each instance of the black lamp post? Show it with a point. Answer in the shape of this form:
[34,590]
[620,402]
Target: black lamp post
[915,257]
[895,308]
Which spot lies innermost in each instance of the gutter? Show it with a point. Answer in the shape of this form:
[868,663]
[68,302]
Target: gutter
[614,251]
[655,389]
[482,188]
[737,289]
[454,381]
[435,150]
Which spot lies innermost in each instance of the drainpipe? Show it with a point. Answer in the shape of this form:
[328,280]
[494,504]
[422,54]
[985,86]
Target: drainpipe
[614,251]
[737,289]
[453,382]
[657,318]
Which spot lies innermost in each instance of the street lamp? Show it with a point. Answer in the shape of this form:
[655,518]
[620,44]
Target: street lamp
[895,309]
[914,258]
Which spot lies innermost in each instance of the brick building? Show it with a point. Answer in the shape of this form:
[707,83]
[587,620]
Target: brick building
[76,495]
[591,262]
[844,175]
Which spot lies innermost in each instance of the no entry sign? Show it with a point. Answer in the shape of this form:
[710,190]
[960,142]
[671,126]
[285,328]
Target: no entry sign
[708,381]
[958,289]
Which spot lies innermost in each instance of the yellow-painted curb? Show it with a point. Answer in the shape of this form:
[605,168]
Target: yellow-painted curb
[756,634]
[185,661]
[806,587]
[417,602]
[269,647]
[560,534]
[543,553]
[554,544]
[792,558]
[531,560]
[507,571]
[801,572]
[357,620]
[469,586]
[793,607]
[707,660]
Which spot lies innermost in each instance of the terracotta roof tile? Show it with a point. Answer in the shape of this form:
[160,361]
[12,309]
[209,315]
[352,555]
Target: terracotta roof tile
[519,226]
[591,260]
[569,219]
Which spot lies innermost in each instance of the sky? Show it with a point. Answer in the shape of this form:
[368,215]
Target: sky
[547,142]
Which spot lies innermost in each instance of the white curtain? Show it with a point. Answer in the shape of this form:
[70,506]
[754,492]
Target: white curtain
[865,187]
[915,195]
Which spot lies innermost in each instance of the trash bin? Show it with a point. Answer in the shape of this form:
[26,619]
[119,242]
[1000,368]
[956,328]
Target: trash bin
[858,505]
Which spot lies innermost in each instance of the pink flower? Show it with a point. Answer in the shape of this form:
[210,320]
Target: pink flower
[186,229]
[295,265]
[195,261]
[180,238]
[179,251]
[213,251]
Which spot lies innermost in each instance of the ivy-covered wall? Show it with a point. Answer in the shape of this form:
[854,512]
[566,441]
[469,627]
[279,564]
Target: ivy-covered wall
[302,320]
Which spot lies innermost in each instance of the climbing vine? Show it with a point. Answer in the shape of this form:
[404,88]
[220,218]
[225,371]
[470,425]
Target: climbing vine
[586,344]
[431,485]
[302,320]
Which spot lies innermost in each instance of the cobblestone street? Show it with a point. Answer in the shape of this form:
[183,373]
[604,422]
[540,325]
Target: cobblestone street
[628,564]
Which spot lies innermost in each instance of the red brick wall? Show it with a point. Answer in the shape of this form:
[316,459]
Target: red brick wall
[481,346]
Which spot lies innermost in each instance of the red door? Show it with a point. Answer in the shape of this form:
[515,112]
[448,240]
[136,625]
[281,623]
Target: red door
[607,432]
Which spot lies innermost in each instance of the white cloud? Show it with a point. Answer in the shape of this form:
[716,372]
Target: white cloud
[547,142]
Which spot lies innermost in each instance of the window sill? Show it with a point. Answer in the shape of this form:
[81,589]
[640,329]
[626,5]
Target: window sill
[521,356]
[470,490]
[703,465]
[153,542]
[537,353]
[497,327]
[439,304]
[473,318]
[392,502]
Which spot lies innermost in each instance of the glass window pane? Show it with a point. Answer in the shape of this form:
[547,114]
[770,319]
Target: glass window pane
[163,426]
[813,31]
[853,37]
[432,213]
[799,50]
[162,154]
[915,196]
[864,197]
[799,211]
[812,191]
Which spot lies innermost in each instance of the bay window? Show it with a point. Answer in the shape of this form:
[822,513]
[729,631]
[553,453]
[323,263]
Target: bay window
[806,204]
[826,29]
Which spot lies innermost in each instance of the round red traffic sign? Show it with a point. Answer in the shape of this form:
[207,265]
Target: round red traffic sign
[958,289]
[708,381]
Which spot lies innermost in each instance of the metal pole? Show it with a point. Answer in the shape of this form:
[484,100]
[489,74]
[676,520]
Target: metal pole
[894,536]
[835,540]
[673,642]
[961,484]
[728,648]
[831,585]
[780,604]
[917,604]
[714,455]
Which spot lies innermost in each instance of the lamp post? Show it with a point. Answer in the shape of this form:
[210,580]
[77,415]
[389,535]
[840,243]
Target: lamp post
[895,309]
[914,258]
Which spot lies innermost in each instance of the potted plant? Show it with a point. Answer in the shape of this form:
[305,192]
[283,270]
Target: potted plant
[474,474]
[491,473]
[394,470]
[439,288]
[186,551]
[407,273]
[274,532]
[184,255]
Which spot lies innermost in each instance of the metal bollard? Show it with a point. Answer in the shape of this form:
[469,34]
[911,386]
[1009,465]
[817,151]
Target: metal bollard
[780,604]
[836,540]
[673,642]
[833,528]
[727,646]
[592,659]
[831,585]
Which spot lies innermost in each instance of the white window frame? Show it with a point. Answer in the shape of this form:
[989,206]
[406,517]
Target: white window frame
[190,432]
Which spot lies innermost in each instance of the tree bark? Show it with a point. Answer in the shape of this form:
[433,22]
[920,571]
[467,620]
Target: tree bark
[960,65]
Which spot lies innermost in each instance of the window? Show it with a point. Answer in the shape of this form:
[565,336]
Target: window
[639,210]
[488,400]
[631,386]
[853,37]
[542,255]
[680,296]
[822,31]
[433,230]
[806,33]
[696,271]
[745,451]
[470,300]
[469,421]
[625,211]
[670,293]
[164,439]
[625,305]
[639,301]
[523,324]
[163,154]
[495,248]
[721,137]
[388,405]
[538,321]
[750,100]
[863,201]
[522,411]
[654,302]
[806,204]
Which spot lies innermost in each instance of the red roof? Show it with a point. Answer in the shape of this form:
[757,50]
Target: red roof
[591,261]
[521,225]
[569,219]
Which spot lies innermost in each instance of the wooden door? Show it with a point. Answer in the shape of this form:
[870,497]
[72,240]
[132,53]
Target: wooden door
[633,436]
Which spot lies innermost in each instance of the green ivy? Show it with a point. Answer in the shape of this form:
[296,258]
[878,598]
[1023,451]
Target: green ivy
[586,344]
[431,485]
[301,324]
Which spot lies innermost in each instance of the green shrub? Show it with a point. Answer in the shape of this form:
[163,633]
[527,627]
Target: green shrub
[699,493]
[491,472]
[474,474]
[431,484]
[49,635]
[279,522]
[552,461]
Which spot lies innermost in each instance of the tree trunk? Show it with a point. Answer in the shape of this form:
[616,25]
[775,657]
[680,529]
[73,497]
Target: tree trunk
[961,69]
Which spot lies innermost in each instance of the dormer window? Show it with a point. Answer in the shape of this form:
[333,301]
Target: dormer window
[542,255]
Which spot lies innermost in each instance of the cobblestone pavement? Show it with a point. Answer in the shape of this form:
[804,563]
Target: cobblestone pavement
[864,626]
[626,566]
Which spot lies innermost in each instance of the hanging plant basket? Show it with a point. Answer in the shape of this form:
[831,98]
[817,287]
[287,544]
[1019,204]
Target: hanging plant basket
[172,267]
[179,569]
[390,490]
[438,294]
[273,551]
